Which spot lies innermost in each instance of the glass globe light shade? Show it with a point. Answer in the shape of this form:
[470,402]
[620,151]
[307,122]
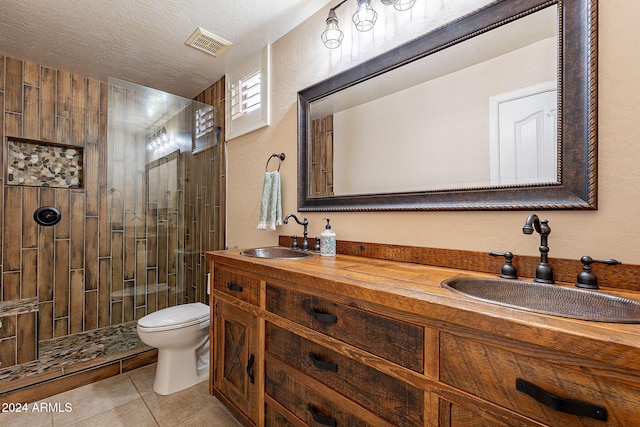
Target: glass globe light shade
[403,4]
[332,35]
[365,17]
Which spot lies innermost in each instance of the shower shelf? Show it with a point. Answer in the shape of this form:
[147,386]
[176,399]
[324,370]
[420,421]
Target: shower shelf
[43,164]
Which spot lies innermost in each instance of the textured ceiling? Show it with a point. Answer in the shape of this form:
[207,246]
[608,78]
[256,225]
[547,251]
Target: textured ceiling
[142,41]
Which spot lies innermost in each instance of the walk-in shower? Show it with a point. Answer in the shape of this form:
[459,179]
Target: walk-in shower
[156,197]
[139,197]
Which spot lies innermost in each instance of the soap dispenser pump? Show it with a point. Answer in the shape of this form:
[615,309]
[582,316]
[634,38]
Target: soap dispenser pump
[327,241]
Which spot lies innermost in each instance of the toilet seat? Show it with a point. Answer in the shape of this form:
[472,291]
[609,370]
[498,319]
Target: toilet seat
[177,317]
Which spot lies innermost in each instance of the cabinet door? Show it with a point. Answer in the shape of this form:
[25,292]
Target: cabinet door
[236,357]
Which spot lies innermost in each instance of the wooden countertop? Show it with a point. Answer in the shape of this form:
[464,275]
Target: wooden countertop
[414,290]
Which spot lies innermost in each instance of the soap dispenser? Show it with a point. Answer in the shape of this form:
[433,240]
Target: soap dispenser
[327,241]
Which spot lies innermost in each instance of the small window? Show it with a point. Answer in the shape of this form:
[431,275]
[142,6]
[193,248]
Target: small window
[247,107]
[245,95]
[205,120]
[207,129]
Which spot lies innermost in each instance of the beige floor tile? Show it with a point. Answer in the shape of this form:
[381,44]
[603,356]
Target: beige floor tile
[34,415]
[184,407]
[132,414]
[94,399]
[210,415]
[143,378]
[126,400]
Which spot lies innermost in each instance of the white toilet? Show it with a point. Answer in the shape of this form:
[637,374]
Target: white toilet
[181,335]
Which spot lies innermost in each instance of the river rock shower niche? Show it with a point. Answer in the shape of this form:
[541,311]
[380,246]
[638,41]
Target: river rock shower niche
[43,164]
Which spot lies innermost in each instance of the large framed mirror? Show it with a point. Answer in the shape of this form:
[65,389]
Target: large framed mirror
[494,111]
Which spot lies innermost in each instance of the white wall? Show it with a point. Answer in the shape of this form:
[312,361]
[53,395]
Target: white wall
[299,60]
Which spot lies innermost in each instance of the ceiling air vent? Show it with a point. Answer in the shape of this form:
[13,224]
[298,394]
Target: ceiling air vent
[208,42]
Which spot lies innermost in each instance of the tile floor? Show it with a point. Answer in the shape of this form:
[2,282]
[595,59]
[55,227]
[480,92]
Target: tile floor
[125,400]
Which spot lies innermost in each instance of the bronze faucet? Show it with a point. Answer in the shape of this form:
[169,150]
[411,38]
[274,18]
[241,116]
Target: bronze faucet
[544,274]
[304,223]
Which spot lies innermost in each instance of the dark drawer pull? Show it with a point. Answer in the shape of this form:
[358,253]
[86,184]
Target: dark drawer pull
[232,287]
[321,419]
[321,364]
[561,404]
[250,368]
[323,317]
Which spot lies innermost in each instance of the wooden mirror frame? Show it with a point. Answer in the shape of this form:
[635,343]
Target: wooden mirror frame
[577,113]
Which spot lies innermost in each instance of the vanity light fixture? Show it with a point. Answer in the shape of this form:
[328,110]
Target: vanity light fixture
[158,140]
[364,19]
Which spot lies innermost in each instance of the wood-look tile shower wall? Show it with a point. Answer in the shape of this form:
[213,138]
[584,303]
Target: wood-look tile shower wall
[322,156]
[58,265]
[74,267]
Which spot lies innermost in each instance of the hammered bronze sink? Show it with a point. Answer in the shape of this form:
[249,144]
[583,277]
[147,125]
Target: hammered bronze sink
[275,252]
[554,300]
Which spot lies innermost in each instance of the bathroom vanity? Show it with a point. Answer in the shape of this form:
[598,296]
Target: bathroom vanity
[354,340]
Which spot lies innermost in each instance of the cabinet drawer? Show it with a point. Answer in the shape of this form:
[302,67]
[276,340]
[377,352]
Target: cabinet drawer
[400,342]
[273,419]
[492,373]
[301,398]
[236,283]
[391,399]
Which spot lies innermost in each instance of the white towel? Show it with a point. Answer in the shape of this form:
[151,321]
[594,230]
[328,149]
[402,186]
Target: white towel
[271,207]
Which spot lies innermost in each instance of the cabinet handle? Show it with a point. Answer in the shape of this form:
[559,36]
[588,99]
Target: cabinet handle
[232,287]
[560,404]
[321,419]
[250,368]
[321,364]
[323,317]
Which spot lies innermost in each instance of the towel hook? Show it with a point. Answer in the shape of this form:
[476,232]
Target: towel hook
[280,157]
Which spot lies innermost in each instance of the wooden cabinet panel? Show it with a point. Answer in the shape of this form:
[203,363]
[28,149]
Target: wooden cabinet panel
[394,340]
[391,399]
[491,373]
[307,400]
[237,284]
[452,415]
[273,418]
[237,357]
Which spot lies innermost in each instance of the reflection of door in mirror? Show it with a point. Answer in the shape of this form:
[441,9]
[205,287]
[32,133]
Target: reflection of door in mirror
[523,136]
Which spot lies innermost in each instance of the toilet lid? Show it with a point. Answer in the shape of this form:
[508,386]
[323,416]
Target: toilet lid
[176,317]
